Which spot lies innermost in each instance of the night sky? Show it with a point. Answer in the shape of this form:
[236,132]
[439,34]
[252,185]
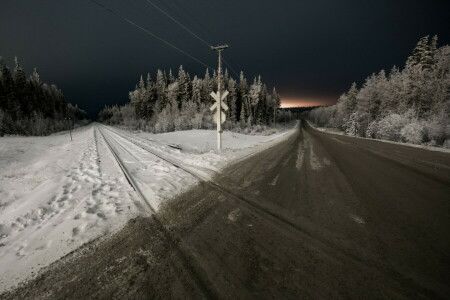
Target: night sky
[311,51]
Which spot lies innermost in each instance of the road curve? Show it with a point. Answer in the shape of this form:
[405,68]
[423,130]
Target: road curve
[316,216]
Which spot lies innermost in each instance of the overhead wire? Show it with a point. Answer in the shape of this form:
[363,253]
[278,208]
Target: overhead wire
[176,11]
[174,20]
[206,29]
[231,68]
[149,33]
[149,2]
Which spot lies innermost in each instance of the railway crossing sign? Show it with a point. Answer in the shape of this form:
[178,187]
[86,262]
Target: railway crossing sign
[219,116]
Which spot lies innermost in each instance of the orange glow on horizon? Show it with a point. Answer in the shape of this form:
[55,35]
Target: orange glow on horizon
[302,102]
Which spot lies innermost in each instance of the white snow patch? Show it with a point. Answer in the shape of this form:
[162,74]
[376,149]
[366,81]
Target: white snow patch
[274,181]
[234,215]
[357,219]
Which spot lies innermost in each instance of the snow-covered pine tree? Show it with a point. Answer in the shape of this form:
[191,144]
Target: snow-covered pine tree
[276,100]
[395,90]
[139,98]
[349,101]
[2,88]
[207,86]
[11,106]
[197,90]
[184,86]
[232,100]
[255,97]
[35,78]
[226,79]
[20,81]
[433,50]
[161,99]
[150,97]
[419,54]
[243,98]
[170,78]
[214,81]
[264,115]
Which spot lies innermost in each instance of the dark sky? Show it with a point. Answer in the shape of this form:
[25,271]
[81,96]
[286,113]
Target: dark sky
[310,50]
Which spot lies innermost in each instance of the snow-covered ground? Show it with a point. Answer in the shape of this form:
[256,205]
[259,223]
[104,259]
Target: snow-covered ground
[198,147]
[56,195]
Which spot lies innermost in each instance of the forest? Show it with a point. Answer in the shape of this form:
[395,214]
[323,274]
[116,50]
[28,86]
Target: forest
[180,103]
[30,107]
[406,105]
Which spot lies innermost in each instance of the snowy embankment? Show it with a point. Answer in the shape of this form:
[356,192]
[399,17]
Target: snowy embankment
[56,195]
[340,132]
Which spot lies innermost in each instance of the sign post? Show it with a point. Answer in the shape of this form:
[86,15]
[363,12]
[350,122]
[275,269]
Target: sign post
[219,116]
[70,127]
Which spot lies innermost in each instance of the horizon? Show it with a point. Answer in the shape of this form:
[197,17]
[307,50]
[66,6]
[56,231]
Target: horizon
[96,62]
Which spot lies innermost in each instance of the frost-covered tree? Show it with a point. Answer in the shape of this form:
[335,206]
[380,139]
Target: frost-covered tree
[181,103]
[243,95]
[30,107]
[207,86]
[232,100]
[197,90]
[255,97]
[185,86]
[276,103]
[160,90]
[409,105]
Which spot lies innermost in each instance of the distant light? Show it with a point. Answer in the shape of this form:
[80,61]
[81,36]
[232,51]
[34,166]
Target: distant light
[305,102]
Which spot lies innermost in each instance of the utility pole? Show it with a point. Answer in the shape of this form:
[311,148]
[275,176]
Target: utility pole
[70,127]
[219,97]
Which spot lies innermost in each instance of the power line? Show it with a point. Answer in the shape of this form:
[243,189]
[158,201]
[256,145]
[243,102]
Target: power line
[149,33]
[190,31]
[231,68]
[173,19]
[201,25]
[175,11]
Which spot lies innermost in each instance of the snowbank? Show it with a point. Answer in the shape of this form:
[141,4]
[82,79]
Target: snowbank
[340,132]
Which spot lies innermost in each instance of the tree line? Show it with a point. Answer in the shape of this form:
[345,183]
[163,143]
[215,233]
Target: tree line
[409,105]
[30,107]
[179,103]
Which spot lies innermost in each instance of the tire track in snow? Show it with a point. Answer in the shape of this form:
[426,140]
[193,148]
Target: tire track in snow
[300,156]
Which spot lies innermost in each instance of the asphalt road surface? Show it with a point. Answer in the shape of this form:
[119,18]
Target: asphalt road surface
[318,216]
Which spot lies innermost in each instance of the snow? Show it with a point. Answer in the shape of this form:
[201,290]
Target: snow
[56,195]
[340,132]
[198,147]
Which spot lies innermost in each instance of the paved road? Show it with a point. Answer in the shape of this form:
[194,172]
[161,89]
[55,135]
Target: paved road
[316,216]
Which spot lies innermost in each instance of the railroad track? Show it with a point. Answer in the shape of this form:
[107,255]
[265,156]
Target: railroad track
[277,218]
[187,259]
[129,178]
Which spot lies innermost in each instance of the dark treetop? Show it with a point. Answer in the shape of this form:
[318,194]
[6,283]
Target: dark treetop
[310,50]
